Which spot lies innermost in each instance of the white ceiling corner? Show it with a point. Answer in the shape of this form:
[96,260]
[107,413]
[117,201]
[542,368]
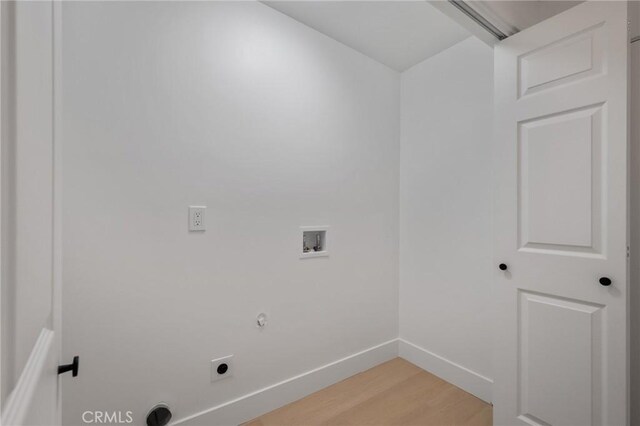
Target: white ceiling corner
[398,34]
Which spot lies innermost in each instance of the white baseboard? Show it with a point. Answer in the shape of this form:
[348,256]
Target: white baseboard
[468,380]
[33,399]
[262,401]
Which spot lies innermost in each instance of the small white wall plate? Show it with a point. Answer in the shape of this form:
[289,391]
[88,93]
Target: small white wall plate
[197,218]
[221,368]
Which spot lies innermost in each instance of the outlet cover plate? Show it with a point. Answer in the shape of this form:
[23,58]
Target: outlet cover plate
[197,218]
[216,363]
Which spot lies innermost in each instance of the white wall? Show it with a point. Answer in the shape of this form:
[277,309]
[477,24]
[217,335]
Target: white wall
[445,202]
[269,124]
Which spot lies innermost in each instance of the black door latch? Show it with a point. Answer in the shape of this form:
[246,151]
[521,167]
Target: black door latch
[73,367]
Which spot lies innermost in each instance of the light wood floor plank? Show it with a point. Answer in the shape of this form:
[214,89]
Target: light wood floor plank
[396,393]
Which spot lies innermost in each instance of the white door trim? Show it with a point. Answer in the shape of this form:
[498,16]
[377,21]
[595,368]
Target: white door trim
[32,395]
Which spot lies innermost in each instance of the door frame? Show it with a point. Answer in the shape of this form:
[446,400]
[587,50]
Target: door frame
[40,370]
[57,141]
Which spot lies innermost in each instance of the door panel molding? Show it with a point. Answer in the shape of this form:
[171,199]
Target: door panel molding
[568,191]
[578,56]
[547,321]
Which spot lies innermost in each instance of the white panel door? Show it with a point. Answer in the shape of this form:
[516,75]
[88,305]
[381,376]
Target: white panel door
[561,346]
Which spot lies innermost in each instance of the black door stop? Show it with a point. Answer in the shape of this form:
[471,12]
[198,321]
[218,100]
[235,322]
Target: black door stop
[73,367]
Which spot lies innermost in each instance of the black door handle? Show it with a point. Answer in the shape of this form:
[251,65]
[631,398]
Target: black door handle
[73,367]
[502,267]
[605,281]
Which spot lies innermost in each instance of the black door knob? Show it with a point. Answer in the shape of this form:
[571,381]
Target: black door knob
[502,266]
[605,281]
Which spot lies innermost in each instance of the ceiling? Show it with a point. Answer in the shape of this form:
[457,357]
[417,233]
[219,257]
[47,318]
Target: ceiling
[398,34]
[401,33]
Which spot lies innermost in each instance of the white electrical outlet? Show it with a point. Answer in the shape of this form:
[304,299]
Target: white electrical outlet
[196,218]
[221,368]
